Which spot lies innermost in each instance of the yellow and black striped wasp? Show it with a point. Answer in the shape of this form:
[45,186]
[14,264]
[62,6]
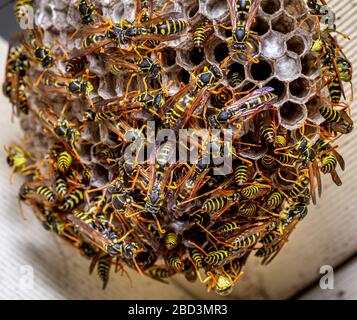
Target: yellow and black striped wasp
[119,59]
[45,56]
[191,183]
[256,101]
[180,107]
[242,15]
[75,65]
[161,28]
[104,263]
[100,34]
[111,109]
[87,11]
[160,171]
[321,11]
[333,73]
[20,160]
[200,33]
[22,9]
[68,86]
[105,240]
[270,250]
[61,129]
[329,159]
[160,273]
[143,10]
[338,120]
[15,86]
[221,202]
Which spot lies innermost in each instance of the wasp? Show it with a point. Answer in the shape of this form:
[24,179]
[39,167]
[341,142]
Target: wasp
[221,282]
[64,161]
[45,192]
[117,60]
[218,203]
[267,128]
[197,258]
[161,28]
[267,162]
[338,119]
[86,10]
[143,9]
[299,210]
[180,106]
[269,251]
[241,172]
[121,200]
[221,96]
[200,218]
[75,198]
[329,158]
[255,189]
[259,100]
[33,189]
[280,138]
[221,257]
[191,182]
[174,261]
[228,228]
[201,33]
[242,15]
[20,160]
[345,69]
[68,86]
[112,108]
[235,79]
[53,224]
[247,209]
[319,10]
[62,129]
[275,199]
[160,272]
[164,157]
[171,240]
[61,187]
[329,64]
[22,100]
[76,65]
[103,269]
[41,53]
[245,240]
[21,9]
[300,185]
[14,86]
[109,242]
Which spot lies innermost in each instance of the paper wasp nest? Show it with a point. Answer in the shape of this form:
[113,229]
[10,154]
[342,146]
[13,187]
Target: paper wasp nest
[69,81]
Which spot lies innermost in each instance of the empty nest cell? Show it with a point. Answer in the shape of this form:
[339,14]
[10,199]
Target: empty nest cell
[292,114]
[296,44]
[283,23]
[300,87]
[261,70]
[270,6]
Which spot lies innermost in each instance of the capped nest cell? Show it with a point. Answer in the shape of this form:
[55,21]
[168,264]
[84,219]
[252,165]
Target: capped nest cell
[104,90]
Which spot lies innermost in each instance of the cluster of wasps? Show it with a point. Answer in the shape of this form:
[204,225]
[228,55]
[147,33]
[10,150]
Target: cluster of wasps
[164,218]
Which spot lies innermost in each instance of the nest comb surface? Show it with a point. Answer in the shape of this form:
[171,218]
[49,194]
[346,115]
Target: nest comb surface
[284,36]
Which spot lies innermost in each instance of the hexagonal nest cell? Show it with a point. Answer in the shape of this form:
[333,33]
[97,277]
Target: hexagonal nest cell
[103,105]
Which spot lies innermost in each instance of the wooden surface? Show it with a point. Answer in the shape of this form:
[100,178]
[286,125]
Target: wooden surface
[325,237]
[345,285]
